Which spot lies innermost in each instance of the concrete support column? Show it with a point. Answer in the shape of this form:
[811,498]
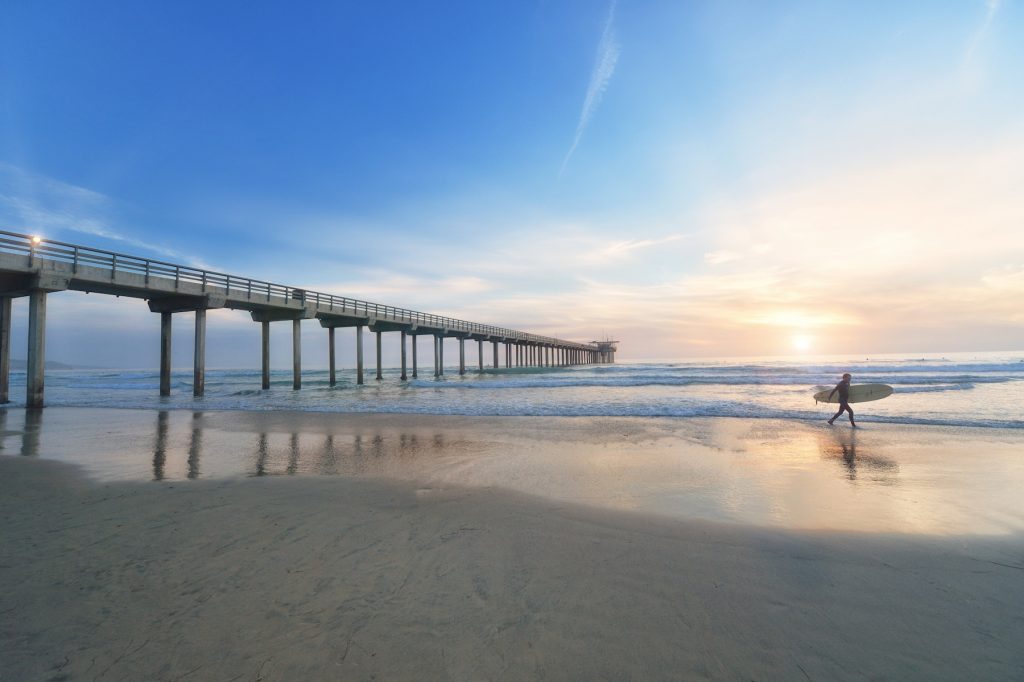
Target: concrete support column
[508,355]
[5,348]
[437,358]
[494,348]
[462,356]
[36,348]
[414,338]
[380,376]
[199,355]
[359,354]
[332,378]
[165,354]
[403,377]
[440,354]
[265,354]
[296,354]
[480,354]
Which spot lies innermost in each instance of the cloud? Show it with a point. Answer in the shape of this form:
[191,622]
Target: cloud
[37,204]
[600,76]
[991,8]
[721,256]
[623,248]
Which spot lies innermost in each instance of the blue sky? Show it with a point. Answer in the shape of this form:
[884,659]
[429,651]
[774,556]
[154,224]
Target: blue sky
[700,178]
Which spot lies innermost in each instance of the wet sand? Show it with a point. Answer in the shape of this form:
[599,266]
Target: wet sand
[410,562]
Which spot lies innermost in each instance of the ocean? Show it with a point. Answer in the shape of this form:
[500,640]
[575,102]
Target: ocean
[959,389]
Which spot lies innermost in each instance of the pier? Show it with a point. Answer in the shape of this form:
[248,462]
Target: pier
[33,267]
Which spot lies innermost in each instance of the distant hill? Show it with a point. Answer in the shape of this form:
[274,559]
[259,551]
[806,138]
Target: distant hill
[22,365]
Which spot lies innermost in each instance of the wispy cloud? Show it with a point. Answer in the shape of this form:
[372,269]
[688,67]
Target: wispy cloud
[600,76]
[30,202]
[623,248]
[991,8]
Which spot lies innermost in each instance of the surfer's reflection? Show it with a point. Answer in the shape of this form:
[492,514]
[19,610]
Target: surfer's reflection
[841,445]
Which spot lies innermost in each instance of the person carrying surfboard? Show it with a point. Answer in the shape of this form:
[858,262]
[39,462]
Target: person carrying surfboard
[843,388]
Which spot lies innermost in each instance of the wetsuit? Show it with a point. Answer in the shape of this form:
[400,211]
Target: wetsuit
[843,388]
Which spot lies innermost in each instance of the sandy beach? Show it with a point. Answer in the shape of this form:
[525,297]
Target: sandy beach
[394,551]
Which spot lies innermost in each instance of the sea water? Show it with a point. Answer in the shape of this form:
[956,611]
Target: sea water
[961,389]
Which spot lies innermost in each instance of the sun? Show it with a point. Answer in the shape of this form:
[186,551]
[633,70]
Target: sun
[802,342]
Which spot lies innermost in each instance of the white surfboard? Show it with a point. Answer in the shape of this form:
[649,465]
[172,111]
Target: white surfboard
[859,393]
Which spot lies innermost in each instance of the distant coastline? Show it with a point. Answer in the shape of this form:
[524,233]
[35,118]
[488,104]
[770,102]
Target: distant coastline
[21,365]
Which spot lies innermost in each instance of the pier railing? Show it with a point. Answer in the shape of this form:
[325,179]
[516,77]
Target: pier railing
[34,247]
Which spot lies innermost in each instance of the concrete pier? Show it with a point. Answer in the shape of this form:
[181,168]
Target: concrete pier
[199,355]
[359,354]
[332,379]
[165,353]
[380,375]
[403,377]
[414,370]
[34,267]
[6,308]
[265,355]
[296,354]
[36,348]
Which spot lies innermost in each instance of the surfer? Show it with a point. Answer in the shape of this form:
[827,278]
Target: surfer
[843,388]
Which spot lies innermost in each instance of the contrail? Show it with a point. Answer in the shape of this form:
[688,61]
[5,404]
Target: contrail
[604,67]
[991,7]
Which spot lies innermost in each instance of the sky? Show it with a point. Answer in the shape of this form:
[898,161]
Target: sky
[690,178]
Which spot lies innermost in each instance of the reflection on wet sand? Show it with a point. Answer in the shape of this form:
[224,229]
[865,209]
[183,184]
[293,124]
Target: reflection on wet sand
[841,445]
[32,432]
[761,471]
[160,446]
[329,454]
[195,445]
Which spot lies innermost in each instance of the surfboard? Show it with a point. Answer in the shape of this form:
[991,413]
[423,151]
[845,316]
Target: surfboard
[859,393]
